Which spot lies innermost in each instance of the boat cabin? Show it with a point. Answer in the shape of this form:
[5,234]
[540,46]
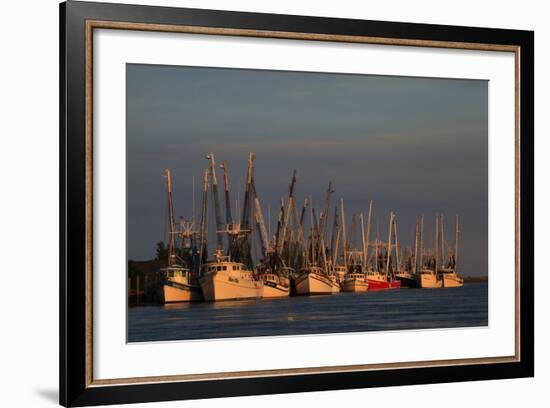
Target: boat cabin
[175,271]
[355,276]
[226,266]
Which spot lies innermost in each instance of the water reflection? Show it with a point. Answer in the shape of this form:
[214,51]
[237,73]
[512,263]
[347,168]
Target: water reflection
[345,312]
[226,304]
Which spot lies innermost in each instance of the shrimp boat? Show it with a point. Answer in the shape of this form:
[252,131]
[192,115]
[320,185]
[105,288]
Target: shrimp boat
[340,272]
[177,286]
[353,276]
[275,285]
[334,283]
[434,275]
[451,279]
[227,277]
[407,279]
[429,277]
[355,282]
[224,279]
[380,281]
[312,280]
[382,276]
[429,280]
[408,274]
[450,276]
[177,281]
[316,277]
[355,279]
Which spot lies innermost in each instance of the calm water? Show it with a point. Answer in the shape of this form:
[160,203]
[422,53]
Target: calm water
[346,312]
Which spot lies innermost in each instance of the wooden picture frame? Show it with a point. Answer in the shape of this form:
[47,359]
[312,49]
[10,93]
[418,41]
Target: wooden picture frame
[77,23]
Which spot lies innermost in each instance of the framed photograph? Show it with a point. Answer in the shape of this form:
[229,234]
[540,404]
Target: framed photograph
[257,204]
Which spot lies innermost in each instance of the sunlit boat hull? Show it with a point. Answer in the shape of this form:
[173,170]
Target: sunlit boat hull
[274,290]
[452,280]
[176,292]
[430,281]
[227,285]
[382,285]
[313,284]
[355,285]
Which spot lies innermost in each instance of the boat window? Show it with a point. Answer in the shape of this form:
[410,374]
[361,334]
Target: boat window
[219,268]
[224,268]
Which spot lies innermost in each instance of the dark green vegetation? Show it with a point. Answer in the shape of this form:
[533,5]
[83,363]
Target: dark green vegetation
[143,281]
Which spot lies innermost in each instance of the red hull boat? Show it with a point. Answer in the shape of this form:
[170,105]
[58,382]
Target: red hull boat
[381,285]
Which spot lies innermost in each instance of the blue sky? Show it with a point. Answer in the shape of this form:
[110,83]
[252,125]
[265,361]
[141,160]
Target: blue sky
[413,145]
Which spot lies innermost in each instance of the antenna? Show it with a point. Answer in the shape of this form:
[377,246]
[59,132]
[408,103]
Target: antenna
[193,210]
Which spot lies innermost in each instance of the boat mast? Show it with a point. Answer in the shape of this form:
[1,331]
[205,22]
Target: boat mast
[219,224]
[286,217]
[193,209]
[302,220]
[333,235]
[297,228]
[194,249]
[242,251]
[279,224]
[324,214]
[320,242]
[364,263]
[266,248]
[416,248]
[246,202]
[171,227]
[312,235]
[344,242]
[335,238]
[442,237]
[368,234]
[421,263]
[397,260]
[204,223]
[457,235]
[436,243]
[228,217]
[351,240]
[388,253]
[301,229]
